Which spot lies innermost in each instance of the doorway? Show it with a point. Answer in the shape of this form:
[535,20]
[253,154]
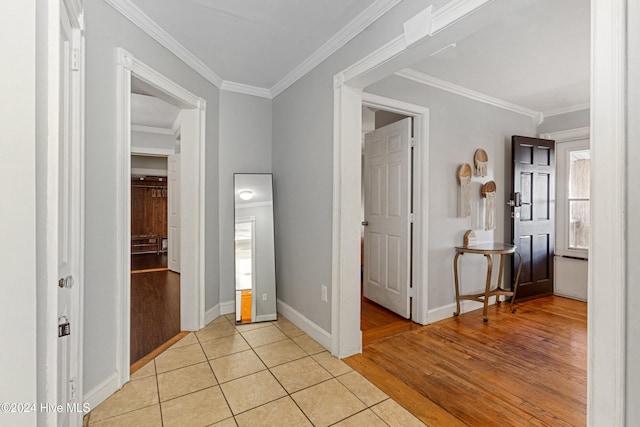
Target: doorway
[191,189]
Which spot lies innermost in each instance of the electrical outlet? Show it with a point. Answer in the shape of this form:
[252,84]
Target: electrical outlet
[264,297]
[324,293]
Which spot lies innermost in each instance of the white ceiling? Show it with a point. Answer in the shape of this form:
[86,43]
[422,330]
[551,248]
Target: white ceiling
[537,58]
[152,112]
[253,42]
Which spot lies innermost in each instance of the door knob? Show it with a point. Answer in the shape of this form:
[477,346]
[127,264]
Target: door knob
[365,223]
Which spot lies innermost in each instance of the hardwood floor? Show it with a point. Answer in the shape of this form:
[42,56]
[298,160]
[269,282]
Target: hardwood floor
[527,368]
[144,262]
[155,311]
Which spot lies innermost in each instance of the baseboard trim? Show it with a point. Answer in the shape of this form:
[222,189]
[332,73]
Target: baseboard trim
[446,311]
[227,307]
[212,314]
[102,391]
[266,318]
[307,326]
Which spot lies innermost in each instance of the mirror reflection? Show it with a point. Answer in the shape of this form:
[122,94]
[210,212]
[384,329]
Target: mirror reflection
[254,248]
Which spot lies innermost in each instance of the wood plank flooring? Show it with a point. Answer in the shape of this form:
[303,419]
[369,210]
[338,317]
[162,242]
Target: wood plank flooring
[522,369]
[155,306]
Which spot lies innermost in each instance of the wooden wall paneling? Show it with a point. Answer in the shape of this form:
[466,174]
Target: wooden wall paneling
[149,206]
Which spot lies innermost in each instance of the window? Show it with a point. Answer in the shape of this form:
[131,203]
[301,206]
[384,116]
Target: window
[573,175]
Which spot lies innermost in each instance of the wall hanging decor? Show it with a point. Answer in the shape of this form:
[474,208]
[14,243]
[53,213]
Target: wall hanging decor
[480,161]
[470,239]
[488,191]
[464,177]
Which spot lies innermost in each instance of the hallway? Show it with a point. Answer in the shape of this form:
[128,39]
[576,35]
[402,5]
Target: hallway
[155,304]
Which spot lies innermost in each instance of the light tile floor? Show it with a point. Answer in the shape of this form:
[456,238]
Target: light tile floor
[263,374]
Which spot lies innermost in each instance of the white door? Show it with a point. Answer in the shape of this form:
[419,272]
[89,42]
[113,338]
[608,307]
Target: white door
[387,238]
[69,222]
[173,220]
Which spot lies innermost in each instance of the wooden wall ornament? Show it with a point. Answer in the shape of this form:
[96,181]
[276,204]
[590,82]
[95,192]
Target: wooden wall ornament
[464,178]
[488,191]
[481,161]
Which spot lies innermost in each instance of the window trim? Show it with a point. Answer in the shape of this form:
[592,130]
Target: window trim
[566,141]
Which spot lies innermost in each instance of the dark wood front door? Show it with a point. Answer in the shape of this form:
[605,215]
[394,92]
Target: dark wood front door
[533,221]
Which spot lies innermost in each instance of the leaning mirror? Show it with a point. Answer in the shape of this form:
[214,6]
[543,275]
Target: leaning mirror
[254,248]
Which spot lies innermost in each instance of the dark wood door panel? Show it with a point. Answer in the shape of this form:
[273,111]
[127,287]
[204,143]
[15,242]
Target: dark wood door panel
[533,223]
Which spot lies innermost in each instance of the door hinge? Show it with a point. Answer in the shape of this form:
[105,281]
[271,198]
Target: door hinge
[72,388]
[412,218]
[75,59]
[412,142]
[412,292]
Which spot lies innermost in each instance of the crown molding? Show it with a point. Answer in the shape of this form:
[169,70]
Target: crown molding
[428,80]
[568,135]
[146,24]
[565,110]
[342,37]
[246,89]
[151,129]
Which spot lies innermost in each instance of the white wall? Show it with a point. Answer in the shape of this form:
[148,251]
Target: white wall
[633,225]
[149,165]
[573,120]
[18,225]
[106,30]
[152,140]
[458,127]
[245,147]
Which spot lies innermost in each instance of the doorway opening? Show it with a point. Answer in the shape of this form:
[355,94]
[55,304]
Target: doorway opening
[386,283]
[182,234]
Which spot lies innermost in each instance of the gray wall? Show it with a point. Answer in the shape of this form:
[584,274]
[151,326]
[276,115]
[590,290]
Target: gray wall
[576,119]
[633,213]
[303,162]
[245,147]
[457,127]
[106,29]
[149,165]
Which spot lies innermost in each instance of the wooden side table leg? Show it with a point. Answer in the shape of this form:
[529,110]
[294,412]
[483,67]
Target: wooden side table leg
[515,285]
[500,277]
[455,279]
[488,288]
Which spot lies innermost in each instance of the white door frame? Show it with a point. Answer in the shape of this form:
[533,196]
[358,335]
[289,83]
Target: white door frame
[607,314]
[420,191]
[192,285]
[56,11]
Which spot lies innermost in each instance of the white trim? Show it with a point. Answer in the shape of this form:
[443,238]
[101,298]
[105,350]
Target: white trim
[267,317]
[446,311]
[568,135]
[420,189]
[346,338]
[307,326]
[102,391]
[227,307]
[565,110]
[151,129]
[606,371]
[452,12]
[342,37]
[148,151]
[428,80]
[212,314]
[146,24]
[192,288]
[246,89]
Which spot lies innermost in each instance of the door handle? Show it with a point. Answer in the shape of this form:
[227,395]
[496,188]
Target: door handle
[65,282]
[365,223]
[516,202]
